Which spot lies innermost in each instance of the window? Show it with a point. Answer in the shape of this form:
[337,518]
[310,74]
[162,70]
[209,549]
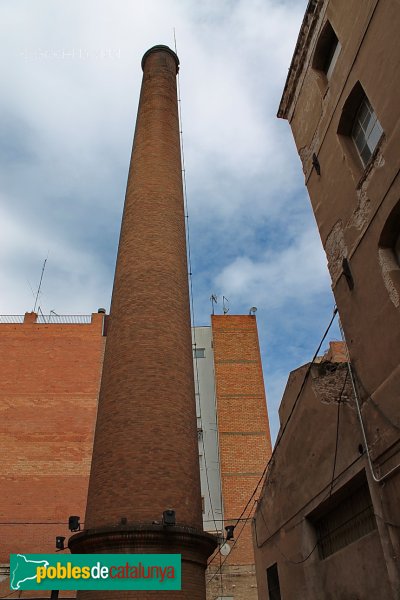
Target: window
[327,51]
[366,131]
[359,126]
[348,516]
[274,590]
[199,352]
[203,508]
[396,249]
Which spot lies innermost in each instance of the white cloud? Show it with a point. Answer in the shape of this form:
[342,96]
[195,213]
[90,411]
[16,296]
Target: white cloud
[71,77]
[293,274]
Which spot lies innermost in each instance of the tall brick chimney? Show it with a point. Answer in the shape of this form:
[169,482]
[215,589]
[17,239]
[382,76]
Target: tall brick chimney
[145,456]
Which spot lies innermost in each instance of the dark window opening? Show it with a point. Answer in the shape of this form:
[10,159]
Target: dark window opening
[389,244]
[199,352]
[396,249]
[327,51]
[347,517]
[274,590]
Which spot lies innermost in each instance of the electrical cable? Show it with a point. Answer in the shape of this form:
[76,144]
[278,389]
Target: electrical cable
[381,478]
[189,256]
[337,431]
[292,562]
[34,523]
[233,545]
[335,310]
[396,525]
[269,462]
[328,496]
[292,410]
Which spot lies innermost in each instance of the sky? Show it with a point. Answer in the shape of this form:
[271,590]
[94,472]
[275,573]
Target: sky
[70,86]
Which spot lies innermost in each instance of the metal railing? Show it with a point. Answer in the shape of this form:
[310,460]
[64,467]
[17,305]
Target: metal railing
[52,319]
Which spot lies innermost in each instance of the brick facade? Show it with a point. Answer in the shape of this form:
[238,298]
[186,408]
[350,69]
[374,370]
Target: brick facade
[245,444]
[145,452]
[50,376]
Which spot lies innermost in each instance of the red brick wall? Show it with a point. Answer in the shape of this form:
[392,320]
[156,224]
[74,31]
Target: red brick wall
[49,378]
[245,444]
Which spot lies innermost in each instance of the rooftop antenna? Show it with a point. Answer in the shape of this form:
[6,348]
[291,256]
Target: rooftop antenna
[225,308]
[41,312]
[214,300]
[53,312]
[40,283]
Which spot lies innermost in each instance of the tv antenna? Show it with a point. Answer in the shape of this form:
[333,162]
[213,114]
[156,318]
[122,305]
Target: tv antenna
[224,307]
[40,283]
[214,300]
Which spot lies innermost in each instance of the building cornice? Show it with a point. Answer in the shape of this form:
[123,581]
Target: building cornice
[307,29]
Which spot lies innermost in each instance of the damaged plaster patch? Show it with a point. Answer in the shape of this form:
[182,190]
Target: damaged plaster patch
[331,384]
[336,251]
[359,218]
[388,263]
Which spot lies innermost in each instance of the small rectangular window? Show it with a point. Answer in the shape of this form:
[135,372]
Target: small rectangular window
[347,521]
[199,352]
[274,590]
[327,51]
[203,508]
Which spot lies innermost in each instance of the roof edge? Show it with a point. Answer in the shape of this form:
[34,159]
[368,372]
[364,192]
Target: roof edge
[306,31]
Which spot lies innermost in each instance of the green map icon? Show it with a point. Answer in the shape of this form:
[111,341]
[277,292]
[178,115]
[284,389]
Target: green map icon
[24,570]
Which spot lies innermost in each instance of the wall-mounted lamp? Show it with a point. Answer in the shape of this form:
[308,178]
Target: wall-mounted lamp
[347,273]
[315,164]
[60,542]
[73,523]
[169,517]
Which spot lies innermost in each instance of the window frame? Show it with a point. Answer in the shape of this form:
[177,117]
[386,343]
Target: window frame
[347,118]
[326,53]
[363,128]
[199,352]
[344,518]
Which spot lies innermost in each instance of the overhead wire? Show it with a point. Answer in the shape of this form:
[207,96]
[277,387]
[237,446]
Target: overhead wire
[191,295]
[292,562]
[337,432]
[303,560]
[35,523]
[219,570]
[270,460]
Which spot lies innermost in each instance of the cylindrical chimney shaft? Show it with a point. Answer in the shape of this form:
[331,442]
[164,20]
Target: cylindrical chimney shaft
[145,456]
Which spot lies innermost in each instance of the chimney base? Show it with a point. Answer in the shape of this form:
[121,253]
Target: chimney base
[194,545]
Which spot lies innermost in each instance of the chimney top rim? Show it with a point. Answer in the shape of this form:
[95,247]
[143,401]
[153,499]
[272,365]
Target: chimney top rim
[160,48]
